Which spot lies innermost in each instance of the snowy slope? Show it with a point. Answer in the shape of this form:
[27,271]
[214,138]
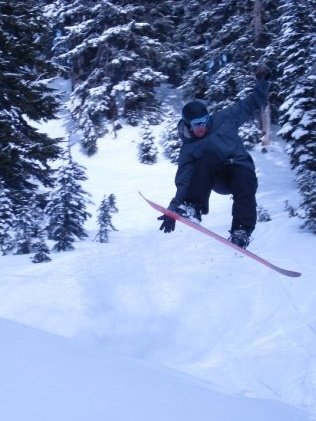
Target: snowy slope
[182,300]
[44,377]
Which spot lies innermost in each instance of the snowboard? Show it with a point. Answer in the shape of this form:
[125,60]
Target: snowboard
[221,239]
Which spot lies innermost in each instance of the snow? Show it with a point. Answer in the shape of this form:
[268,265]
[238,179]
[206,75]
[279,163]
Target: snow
[154,326]
[307,119]
[287,104]
[286,129]
[299,133]
[295,114]
[61,379]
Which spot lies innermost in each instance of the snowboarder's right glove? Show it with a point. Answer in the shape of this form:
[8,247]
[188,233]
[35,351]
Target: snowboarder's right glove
[168,224]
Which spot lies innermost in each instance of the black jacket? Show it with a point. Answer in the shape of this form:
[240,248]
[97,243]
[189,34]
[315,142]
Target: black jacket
[221,141]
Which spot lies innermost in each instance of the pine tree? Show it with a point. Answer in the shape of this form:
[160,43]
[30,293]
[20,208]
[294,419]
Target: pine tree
[295,44]
[171,141]
[263,214]
[250,134]
[197,33]
[307,182]
[108,50]
[7,220]
[25,96]
[42,250]
[66,209]
[233,57]
[298,92]
[107,207]
[300,132]
[27,226]
[147,150]
[24,231]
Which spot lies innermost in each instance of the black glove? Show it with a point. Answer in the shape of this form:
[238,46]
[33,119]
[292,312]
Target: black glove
[263,72]
[168,224]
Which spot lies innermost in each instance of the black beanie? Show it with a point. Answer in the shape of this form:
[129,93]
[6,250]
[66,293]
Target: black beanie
[192,110]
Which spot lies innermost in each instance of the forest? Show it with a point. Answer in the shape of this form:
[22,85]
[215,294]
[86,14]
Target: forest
[116,54]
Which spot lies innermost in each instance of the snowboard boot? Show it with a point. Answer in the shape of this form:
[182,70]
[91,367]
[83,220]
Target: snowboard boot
[240,237]
[191,211]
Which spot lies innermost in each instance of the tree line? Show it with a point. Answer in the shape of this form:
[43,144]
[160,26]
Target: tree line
[116,54]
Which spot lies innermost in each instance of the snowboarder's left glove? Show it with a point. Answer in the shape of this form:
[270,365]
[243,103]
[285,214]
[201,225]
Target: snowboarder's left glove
[263,72]
[168,224]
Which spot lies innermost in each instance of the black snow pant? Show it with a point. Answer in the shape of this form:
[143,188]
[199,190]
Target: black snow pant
[238,180]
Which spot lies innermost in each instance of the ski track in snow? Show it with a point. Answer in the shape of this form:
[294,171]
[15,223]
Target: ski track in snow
[181,300]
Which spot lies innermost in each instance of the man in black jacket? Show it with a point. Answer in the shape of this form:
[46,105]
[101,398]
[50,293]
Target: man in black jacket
[213,157]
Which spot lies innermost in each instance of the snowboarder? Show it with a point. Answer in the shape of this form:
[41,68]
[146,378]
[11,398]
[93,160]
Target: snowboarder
[213,157]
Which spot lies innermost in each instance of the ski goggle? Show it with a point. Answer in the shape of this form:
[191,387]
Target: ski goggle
[198,122]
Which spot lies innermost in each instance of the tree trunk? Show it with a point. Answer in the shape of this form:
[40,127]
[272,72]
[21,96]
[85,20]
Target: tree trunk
[265,114]
[257,21]
[265,126]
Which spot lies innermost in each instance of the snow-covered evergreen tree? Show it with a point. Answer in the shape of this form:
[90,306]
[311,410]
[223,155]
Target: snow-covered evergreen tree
[108,48]
[290,209]
[24,231]
[263,214]
[147,150]
[104,218]
[298,92]
[171,141]
[202,20]
[27,226]
[307,182]
[234,56]
[25,153]
[7,220]
[250,134]
[295,44]
[300,132]
[42,250]
[66,209]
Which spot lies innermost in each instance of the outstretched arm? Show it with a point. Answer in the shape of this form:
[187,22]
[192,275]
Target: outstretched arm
[245,109]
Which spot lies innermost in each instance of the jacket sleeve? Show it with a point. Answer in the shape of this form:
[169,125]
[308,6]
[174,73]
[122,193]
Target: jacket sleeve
[245,109]
[183,178]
